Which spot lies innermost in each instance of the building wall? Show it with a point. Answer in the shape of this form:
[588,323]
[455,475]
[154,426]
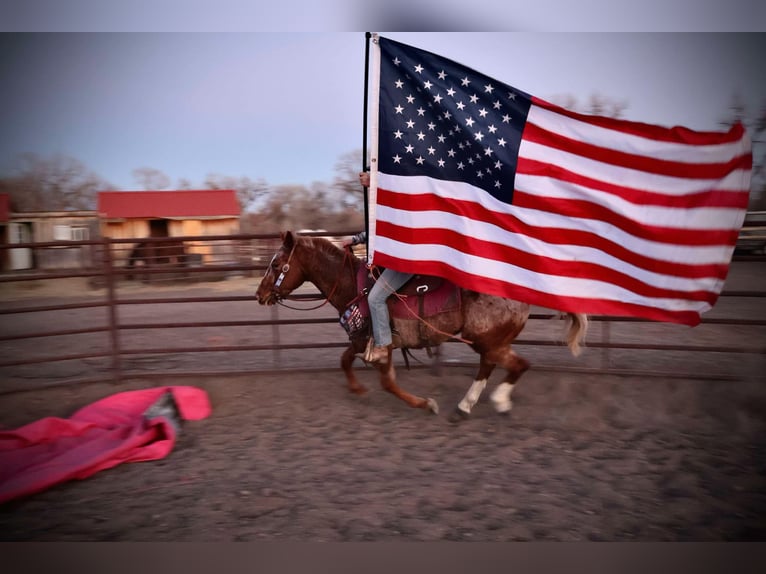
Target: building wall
[139,228]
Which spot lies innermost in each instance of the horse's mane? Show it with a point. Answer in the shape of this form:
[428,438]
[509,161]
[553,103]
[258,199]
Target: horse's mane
[324,246]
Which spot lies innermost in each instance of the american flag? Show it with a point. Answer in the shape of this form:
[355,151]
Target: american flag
[507,194]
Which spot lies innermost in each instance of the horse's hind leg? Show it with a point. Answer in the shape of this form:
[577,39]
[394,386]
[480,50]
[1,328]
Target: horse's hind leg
[515,366]
[501,396]
[464,407]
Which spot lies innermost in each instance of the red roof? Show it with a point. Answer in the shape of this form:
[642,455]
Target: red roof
[5,206]
[177,203]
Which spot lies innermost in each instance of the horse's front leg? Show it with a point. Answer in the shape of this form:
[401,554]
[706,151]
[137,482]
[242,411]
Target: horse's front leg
[346,363]
[388,382]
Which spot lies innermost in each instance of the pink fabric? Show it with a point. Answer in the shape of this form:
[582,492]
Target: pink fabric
[101,435]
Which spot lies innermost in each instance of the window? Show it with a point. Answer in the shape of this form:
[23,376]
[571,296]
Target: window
[70,233]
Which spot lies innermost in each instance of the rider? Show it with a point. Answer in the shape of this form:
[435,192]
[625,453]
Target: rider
[388,282]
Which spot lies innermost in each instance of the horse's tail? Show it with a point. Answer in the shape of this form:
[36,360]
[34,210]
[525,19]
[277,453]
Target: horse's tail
[576,328]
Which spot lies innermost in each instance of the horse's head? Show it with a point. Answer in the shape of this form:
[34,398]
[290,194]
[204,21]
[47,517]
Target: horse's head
[284,273]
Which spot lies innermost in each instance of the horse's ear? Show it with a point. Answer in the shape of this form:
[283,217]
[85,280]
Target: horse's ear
[288,239]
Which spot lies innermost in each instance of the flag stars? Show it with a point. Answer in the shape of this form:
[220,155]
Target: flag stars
[431,150]
[451,92]
[478,136]
[483,113]
[420,160]
[438,99]
[410,148]
[442,75]
[399,84]
[399,109]
[431,126]
[501,142]
[469,121]
[398,134]
[419,69]
[488,88]
[460,106]
[497,184]
[492,129]
[506,119]
[488,151]
[397,159]
[410,99]
[441,162]
[465,81]
[421,136]
[474,98]
[410,124]
[396,61]
[497,105]
[421,111]
[427,85]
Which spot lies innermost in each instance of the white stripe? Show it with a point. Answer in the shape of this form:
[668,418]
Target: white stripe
[708,218]
[634,144]
[538,248]
[465,192]
[550,284]
[628,177]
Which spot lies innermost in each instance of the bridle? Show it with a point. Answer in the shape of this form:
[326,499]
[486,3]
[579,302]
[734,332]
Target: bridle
[283,272]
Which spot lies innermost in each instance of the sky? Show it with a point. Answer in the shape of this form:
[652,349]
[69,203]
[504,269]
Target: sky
[285,106]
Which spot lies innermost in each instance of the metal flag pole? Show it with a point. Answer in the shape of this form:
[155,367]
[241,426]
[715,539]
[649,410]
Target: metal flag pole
[367,37]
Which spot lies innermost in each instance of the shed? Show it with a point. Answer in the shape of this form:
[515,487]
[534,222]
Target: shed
[176,213]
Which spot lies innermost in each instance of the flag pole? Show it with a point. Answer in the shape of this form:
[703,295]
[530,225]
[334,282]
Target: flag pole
[367,37]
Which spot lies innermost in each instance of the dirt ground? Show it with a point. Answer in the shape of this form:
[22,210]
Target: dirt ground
[296,457]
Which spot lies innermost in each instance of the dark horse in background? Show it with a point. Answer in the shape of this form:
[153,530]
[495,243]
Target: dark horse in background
[487,323]
[165,254]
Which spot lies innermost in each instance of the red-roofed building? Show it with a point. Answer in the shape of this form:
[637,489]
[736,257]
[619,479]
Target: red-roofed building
[177,213]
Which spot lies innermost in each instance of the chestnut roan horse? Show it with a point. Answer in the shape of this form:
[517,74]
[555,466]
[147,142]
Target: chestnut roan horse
[487,323]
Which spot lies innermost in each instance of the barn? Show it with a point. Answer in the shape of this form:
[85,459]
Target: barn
[176,213]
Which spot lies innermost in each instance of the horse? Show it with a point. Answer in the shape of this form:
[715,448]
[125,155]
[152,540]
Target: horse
[487,323]
[156,254]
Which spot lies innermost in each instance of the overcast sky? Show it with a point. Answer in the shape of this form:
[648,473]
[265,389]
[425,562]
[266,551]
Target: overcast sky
[284,106]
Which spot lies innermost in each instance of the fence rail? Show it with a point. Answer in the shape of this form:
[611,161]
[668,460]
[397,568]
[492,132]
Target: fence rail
[112,334]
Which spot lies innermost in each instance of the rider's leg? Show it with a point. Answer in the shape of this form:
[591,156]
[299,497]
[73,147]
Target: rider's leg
[388,282]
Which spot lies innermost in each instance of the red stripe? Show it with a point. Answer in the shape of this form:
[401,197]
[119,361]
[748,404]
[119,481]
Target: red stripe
[588,210]
[737,199]
[534,297]
[675,134]
[535,263]
[648,164]
[428,202]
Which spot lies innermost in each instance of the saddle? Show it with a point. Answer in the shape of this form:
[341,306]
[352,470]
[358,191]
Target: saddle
[422,297]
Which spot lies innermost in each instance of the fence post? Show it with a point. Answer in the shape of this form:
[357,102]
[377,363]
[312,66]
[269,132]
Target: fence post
[606,331]
[112,318]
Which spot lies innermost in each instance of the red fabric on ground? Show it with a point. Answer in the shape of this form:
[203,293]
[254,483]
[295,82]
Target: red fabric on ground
[101,435]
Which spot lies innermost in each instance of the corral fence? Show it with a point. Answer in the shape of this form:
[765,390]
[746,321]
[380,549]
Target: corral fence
[101,320]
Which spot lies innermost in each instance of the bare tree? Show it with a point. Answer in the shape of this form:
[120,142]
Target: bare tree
[248,191]
[346,186]
[756,127]
[150,178]
[597,104]
[56,183]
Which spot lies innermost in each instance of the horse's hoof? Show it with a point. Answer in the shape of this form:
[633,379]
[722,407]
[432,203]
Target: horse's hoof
[458,416]
[432,405]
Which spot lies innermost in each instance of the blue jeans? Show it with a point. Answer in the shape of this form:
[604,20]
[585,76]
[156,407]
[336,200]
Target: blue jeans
[388,282]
